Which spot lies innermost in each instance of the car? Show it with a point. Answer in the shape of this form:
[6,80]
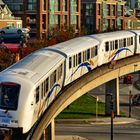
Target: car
[7,30]
[136,99]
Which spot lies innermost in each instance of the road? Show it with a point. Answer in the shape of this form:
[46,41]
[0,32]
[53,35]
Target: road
[102,132]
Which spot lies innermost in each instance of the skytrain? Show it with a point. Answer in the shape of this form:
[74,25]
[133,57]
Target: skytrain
[28,87]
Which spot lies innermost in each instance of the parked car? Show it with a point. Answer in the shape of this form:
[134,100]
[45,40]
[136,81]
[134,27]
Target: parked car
[13,30]
[136,99]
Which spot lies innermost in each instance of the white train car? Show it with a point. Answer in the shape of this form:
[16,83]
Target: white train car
[28,87]
[82,56]
[115,45]
[137,40]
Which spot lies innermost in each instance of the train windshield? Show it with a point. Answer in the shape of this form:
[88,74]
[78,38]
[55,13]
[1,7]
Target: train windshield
[9,93]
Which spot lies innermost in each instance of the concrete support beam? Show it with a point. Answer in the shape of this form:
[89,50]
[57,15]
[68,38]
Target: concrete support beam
[112,88]
[49,132]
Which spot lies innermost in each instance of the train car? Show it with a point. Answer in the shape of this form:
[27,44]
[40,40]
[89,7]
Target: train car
[81,56]
[28,87]
[137,40]
[115,45]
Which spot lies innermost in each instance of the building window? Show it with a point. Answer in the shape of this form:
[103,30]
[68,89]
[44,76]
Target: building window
[99,24]
[99,9]
[122,8]
[64,4]
[113,23]
[108,9]
[108,23]
[113,10]
[31,5]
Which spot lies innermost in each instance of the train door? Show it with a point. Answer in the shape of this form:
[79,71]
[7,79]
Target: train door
[37,102]
[104,53]
[137,44]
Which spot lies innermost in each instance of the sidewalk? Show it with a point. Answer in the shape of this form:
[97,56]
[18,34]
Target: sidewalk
[98,121]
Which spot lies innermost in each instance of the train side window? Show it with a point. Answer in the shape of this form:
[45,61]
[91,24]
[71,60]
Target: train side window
[52,79]
[88,54]
[54,76]
[96,50]
[92,52]
[124,42]
[139,39]
[74,61]
[107,46]
[79,58]
[128,44]
[116,44]
[111,45]
[131,40]
[119,43]
[70,63]
[85,53]
[47,84]
[44,87]
[37,94]
[60,71]
[83,56]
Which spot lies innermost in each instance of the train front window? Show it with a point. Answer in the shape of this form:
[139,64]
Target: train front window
[9,93]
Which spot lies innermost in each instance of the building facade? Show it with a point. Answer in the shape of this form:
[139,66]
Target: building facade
[6,18]
[102,15]
[41,15]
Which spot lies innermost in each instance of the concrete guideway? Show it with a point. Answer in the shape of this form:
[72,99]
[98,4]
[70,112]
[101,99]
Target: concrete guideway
[83,85]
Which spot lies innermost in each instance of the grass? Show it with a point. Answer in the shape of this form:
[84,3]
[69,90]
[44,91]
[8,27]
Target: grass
[84,107]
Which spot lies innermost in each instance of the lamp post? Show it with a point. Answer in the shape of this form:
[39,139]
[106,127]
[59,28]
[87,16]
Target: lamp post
[112,116]
[97,99]
[130,100]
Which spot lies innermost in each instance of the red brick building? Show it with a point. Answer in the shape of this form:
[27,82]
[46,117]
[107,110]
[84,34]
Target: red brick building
[102,15]
[41,15]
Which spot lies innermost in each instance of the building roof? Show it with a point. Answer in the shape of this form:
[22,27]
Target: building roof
[1,2]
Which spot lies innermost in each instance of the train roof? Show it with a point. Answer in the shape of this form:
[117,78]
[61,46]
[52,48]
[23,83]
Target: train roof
[136,31]
[76,45]
[35,65]
[112,35]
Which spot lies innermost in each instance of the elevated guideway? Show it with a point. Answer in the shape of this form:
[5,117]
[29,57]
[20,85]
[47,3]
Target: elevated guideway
[80,87]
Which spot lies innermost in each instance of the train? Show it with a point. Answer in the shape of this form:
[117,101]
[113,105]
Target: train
[28,87]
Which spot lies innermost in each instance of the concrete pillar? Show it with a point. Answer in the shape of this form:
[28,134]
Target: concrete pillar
[49,132]
[112,87]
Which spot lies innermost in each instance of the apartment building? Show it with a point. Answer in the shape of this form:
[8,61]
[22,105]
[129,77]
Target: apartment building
[102,15]
[6,18]
[41,15]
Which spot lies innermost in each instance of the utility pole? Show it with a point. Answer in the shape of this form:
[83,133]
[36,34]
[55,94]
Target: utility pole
[112,116]
[130,103]
[97,99]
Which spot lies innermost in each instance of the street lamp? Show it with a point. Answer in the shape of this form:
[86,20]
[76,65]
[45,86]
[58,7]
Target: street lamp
[112,116]
[130,99]
[111,113]
[97,99]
